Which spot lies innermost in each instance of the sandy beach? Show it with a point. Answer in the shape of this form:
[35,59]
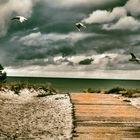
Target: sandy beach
[26,116]
[29,116]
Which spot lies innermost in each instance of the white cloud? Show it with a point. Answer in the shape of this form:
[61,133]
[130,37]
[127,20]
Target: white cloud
[103,16]
[102,67]
[63,71]
[118,13]
[133,7]
[76,59]
[126,23]
[99,16]
[39,39]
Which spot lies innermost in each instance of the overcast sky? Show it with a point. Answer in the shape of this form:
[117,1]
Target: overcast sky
[48,43]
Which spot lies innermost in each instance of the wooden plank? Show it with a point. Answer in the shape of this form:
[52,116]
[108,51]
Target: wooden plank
[104,117]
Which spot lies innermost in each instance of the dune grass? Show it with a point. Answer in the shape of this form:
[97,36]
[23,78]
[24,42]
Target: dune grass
[17,87]
[131,93]
[90,90]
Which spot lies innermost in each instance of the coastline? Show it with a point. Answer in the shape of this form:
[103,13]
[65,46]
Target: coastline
[76,84]
[43,113]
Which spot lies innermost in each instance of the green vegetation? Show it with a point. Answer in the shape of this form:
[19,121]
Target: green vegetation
[90,90]
[116,90]
[3,75]
[17,87]
[131,93]
[44,94]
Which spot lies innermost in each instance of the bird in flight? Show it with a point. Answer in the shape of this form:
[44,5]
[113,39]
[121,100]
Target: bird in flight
[134,58]
[80,25]
[20,18]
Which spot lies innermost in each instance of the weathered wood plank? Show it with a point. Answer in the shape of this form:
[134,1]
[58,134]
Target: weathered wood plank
[104,117]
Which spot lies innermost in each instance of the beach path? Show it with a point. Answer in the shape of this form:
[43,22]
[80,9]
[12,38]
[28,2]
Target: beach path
[104,117]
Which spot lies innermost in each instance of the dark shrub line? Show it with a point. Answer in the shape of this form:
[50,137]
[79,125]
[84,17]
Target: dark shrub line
[131,93]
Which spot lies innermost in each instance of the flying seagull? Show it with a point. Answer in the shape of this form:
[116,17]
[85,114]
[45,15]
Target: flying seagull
[79,25]
[134,58]
[20,18]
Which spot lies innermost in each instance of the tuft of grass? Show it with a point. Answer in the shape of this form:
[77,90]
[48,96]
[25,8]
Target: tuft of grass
[116,90]
[130,93]
[126,100]
[43,94]
[90,90]
[17,87]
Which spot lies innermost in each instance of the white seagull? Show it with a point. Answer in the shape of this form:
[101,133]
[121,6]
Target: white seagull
[79,25]
[134,58]
[20,18]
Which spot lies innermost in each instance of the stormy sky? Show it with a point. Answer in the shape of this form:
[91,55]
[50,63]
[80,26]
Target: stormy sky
[49,45]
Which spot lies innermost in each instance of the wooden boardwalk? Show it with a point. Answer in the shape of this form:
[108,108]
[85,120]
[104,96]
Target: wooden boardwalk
[104,117]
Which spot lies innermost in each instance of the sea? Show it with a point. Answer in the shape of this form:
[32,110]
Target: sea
[76,84]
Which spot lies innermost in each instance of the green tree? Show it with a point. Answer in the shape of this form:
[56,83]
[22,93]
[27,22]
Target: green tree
[3,75]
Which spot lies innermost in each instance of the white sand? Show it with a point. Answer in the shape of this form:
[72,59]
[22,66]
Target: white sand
[135,102]
[36,118]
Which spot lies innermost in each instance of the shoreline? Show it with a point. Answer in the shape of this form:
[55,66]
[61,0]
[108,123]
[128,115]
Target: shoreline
[41,113]
[71,78]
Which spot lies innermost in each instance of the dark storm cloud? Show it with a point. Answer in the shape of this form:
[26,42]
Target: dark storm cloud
[63,51]
[60,19]
[50,33]
[87,61]
[3,1]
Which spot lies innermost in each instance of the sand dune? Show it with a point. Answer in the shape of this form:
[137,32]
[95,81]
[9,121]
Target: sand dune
[26,116]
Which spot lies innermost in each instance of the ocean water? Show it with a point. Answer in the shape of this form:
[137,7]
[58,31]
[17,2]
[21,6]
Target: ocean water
[77,84]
